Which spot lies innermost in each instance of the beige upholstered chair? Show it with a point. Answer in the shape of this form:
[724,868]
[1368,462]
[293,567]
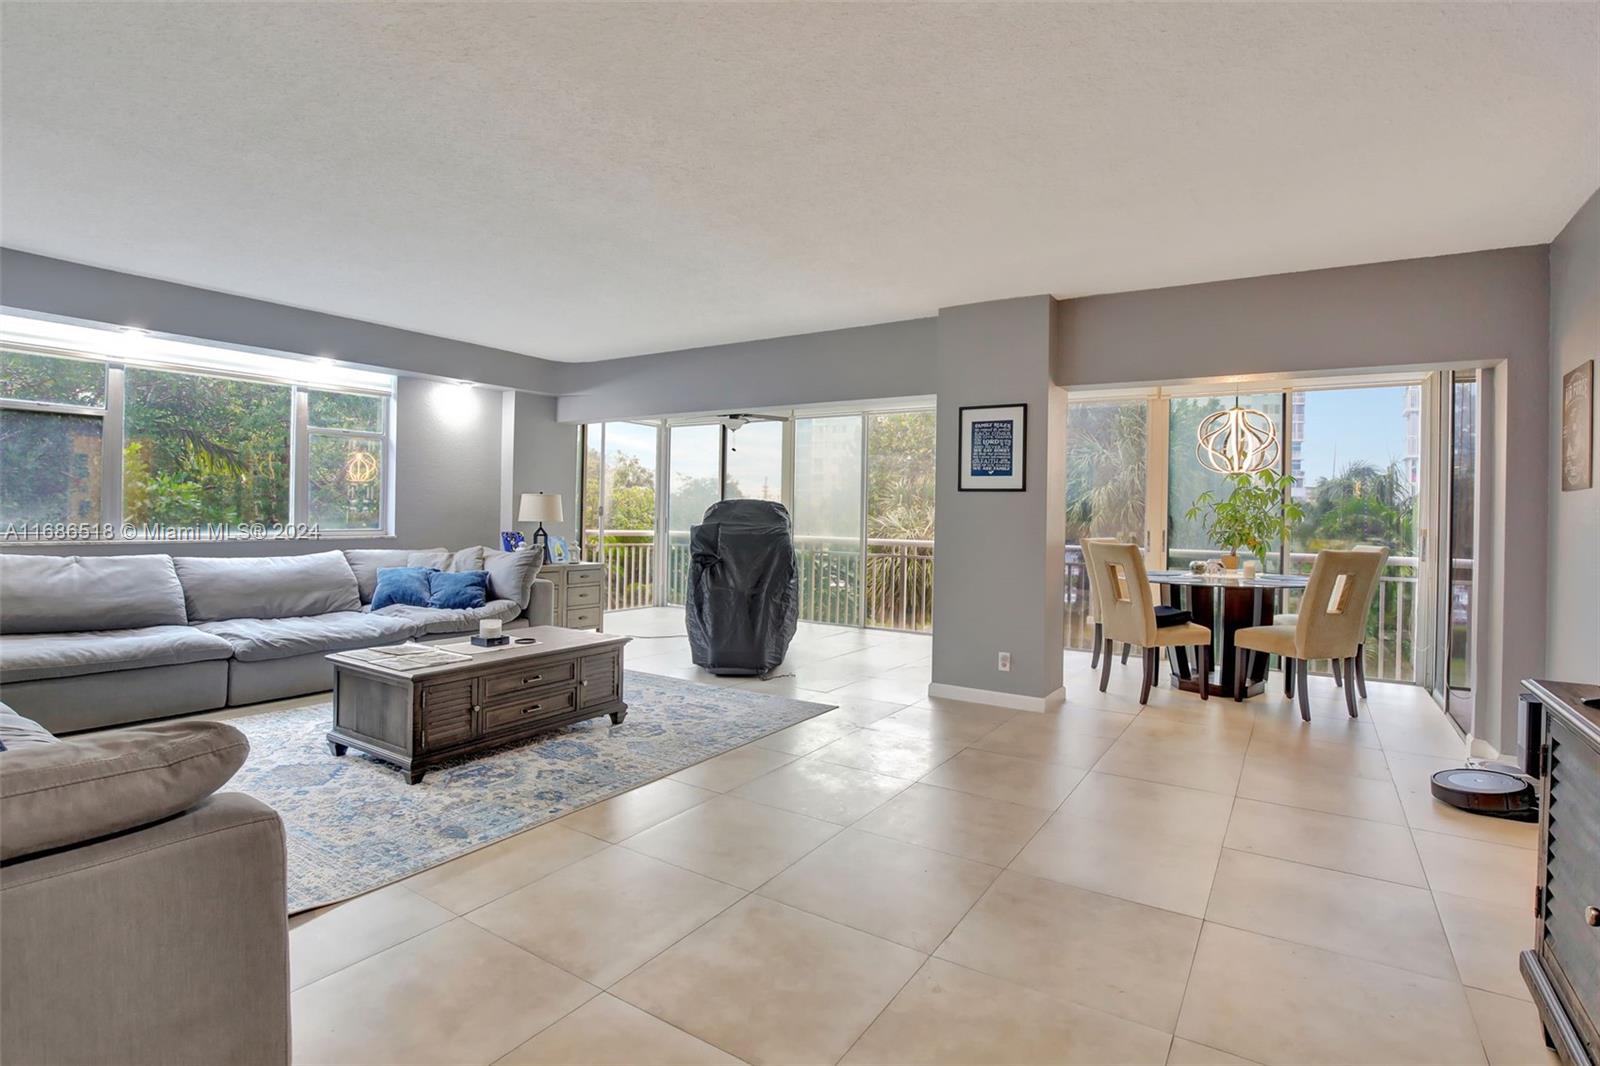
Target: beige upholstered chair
[1094,604]
[1128,613]
[1361,649]
[1331,623]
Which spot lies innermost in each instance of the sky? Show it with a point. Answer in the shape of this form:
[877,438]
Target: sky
[1353,424]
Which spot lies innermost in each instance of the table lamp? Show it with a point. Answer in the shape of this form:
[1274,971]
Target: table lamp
[540,507]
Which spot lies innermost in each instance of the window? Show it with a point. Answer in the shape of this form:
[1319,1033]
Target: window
[1187,539]
[345,469]
[52,421]
[107,434]
[754,465]
[203,450]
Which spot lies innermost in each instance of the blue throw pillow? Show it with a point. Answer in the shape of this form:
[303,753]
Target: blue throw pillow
[406,585]
[458,591]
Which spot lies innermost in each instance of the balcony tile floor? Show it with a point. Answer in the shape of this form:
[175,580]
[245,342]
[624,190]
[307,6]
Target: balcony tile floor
[904,880]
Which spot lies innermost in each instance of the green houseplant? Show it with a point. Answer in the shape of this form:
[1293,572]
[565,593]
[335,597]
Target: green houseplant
[1257,511]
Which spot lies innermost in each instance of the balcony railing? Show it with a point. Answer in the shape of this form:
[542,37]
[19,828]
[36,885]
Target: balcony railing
[1391,627]
[897,592]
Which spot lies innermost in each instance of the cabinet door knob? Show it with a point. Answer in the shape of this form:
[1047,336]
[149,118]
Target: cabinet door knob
[1592,915]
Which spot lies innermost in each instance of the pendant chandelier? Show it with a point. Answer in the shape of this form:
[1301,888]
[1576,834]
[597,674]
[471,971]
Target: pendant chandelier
[1240,440]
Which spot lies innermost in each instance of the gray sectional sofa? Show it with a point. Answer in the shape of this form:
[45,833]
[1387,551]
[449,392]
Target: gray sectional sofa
[141,910]
[92,641]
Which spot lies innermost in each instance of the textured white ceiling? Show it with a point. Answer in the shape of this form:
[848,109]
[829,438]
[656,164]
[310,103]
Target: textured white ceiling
[593,180]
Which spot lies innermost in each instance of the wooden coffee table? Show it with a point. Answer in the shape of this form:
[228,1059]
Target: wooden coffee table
[418,718]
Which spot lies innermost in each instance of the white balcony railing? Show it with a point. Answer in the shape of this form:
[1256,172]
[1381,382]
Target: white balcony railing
[895,592]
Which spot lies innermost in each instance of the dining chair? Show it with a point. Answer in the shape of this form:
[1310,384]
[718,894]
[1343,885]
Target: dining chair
[1330,624]
[1361,648]
[1128,614]
[1094,605]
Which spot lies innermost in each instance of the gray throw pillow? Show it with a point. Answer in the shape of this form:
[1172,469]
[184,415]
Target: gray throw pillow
[269,586]
[511,574]
[67,593]
[464,560]
[85,787]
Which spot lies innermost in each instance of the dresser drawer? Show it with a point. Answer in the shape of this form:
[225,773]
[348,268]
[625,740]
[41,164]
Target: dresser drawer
[594,575]
[530,709]
[583,618]
[529,677]
[583,596]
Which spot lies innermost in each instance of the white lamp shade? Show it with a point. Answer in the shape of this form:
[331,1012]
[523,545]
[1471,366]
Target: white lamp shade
[539,507]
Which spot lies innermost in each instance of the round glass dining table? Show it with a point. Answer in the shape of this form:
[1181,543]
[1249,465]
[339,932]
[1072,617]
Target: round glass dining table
[1225,603]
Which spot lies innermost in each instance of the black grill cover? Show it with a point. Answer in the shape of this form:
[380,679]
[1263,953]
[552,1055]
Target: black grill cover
[744,587]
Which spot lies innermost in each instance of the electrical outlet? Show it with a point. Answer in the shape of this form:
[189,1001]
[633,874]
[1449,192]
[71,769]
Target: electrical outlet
[1005,662]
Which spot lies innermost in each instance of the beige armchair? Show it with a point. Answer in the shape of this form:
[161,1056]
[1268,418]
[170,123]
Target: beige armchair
[1331,624]
[1128,613]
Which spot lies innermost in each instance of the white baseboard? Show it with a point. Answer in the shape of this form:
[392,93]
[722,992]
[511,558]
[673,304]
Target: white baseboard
[1009,700]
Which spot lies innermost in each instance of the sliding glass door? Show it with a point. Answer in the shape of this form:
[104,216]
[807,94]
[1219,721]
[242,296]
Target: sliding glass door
[1108,446]
[619,509]
[859,485]
[827,517]
[694,483]
[899,519]
[1454,566]
[1355,454]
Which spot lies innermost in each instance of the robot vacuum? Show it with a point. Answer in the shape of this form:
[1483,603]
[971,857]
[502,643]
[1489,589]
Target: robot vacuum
[1485,791]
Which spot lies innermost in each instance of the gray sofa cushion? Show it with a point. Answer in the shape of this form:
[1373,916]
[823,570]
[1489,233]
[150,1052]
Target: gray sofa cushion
[432,620]
[63,593]
[90,786]
[258,639]
[366,562]
[274,586]
[17,731]
[36,656]
[511,574]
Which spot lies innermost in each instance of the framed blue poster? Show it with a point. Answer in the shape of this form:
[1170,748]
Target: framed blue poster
[994,449]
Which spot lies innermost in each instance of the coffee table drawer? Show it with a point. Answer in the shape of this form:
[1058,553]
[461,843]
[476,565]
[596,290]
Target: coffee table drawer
[531,708]
[527,678]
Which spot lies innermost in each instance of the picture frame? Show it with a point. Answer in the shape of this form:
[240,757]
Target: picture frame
[558,550]
[993,448]
[1577,428]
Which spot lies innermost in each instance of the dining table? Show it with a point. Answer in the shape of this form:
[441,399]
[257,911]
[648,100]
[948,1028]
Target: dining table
[1225,603]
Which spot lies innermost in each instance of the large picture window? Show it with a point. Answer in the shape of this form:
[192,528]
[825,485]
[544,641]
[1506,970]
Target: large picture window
[185,441]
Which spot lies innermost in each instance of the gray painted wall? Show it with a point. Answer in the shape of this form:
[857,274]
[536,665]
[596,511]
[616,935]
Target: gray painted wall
[870,362]
[1488,308]
[1573,617]
[998,579]
[72,290]
[544,458]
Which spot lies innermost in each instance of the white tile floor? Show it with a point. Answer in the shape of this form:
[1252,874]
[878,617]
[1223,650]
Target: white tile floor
[899,881]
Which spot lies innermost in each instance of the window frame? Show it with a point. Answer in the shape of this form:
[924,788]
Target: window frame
[113,418]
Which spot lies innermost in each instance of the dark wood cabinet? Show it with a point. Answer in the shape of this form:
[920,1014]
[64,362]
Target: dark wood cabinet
[1563,968]
[420,718]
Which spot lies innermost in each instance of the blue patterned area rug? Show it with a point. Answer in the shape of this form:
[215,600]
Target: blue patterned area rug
[355,825]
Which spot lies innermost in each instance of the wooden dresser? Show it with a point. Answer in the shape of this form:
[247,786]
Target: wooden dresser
[1563,968]
[580,594]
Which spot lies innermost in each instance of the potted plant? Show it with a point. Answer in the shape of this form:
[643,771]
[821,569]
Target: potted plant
[1251,516]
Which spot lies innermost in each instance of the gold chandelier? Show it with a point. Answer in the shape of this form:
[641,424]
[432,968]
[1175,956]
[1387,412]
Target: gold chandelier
[1240,440]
